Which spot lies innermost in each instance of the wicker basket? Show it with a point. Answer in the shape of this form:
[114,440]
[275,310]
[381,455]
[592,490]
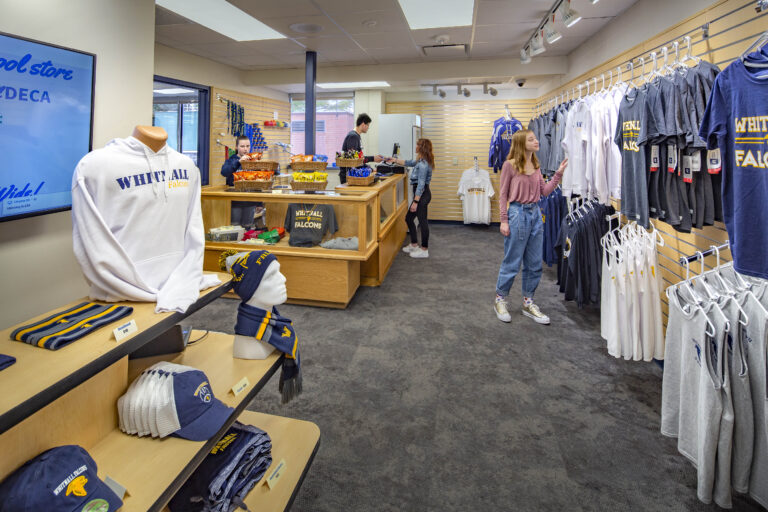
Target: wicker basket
[253,185]
[309,166]
[283,180]
[360,182]
[259,165]
[349,162]
[309,185]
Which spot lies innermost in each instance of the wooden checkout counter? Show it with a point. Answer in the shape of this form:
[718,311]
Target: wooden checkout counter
[317,276]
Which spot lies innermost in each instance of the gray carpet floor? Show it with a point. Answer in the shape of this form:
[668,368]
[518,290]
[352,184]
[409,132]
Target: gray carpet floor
[426,402]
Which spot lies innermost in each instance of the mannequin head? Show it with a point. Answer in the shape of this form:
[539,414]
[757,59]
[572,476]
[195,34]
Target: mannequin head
[271,291]
[257,278]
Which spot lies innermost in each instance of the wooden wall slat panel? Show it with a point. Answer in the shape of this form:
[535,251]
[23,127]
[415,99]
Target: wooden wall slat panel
[257,110]
[459,131]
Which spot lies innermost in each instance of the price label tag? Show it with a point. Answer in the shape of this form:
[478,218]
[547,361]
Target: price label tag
[241,386]
[125,330]
[275,475]
[655,158]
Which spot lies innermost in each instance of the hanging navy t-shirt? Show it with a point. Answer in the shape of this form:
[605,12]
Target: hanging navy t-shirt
[736,121]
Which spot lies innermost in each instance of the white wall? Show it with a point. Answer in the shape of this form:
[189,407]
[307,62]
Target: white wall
[39,270]
[370,102]
[173,63]
[641,22]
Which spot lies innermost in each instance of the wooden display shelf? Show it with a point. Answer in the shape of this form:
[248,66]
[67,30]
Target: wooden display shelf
[282,195]
[40,376]
[293,441]
[153,470]
[282,248]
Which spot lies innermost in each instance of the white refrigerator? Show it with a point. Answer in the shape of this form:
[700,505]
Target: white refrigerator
[403,129]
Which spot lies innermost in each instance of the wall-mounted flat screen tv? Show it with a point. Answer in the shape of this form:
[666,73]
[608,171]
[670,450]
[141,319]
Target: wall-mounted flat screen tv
[46,124]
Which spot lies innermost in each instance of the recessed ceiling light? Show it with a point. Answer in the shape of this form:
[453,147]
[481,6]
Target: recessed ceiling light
[437,13]
[222,17]
[352,85]
[306,28]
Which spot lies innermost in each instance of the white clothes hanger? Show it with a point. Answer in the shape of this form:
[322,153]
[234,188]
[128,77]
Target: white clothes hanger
[755,46]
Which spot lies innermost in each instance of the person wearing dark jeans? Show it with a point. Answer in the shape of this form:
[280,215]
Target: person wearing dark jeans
[421,176]
[353,141]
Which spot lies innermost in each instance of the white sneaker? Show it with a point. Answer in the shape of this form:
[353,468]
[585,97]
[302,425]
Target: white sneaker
[419,253]
[500,306]
[409,248]
[534,312]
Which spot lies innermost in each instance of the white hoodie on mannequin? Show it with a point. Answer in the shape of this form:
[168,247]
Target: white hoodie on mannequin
[138,226]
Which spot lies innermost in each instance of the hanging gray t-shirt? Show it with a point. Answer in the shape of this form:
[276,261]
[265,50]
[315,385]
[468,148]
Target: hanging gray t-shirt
[755,347]
[308,223]
[631,136]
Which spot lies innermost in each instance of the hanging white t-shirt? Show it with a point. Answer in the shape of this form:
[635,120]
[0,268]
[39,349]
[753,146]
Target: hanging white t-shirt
[476,191]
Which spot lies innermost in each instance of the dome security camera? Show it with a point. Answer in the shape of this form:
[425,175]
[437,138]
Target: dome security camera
[520,82]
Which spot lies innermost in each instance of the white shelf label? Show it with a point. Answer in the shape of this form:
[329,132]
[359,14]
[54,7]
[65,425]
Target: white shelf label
[273,477]
[241,386]
[125,330]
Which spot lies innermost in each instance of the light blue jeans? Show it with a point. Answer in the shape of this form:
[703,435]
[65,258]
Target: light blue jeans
[524,244]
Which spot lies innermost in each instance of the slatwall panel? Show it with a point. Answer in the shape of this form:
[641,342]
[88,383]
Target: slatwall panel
[733,27]
[257,110]
[459,131]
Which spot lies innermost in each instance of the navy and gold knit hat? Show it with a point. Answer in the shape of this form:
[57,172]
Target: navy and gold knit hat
[248,269]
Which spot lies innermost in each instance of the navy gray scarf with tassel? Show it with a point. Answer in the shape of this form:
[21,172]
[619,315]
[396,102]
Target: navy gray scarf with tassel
[270,327]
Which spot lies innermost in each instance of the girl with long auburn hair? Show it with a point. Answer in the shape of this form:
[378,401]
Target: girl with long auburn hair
[420,178]
[522,185]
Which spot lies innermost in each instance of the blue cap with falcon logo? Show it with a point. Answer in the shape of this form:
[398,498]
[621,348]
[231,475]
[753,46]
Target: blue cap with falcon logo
[63,478]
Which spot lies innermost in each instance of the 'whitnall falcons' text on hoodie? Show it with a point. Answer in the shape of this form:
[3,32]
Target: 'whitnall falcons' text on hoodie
[138,227]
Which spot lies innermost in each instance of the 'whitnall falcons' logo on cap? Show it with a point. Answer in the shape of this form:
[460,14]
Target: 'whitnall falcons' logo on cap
[204,392]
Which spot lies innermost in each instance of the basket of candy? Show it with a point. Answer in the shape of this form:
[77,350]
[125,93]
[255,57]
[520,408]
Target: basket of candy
[307,163]
[253,162]
[309,181]
[250,181]
[350,158]
[360,176]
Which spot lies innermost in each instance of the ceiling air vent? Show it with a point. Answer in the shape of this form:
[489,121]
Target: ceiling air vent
[445,50]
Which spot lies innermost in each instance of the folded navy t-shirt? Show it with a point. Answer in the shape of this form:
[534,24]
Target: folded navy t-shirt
[6,361]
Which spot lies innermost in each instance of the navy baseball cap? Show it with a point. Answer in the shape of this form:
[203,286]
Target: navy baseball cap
[62,479]
[200,413]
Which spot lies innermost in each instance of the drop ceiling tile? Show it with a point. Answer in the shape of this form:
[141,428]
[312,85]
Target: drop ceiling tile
[255,60]
[166,17]
[344,54]
[386,21]
[396,54]
[266,9]
[191,34]
[491,12]
[235,48]
[385,40]
[357,6]
[283,24]
[512,32]
[456,35]
[320,44]
[495,49]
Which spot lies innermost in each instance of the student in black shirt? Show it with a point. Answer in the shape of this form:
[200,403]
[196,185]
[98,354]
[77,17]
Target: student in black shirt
[353,141]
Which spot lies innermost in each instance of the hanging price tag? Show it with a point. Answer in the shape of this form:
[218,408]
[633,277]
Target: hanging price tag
[714,164]
[655,158]
[696,161]
[671,157]
[687,169]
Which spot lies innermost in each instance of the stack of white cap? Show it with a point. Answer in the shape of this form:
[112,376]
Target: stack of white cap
[170,398]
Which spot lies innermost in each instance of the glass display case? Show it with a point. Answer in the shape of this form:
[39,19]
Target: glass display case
[316,273]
